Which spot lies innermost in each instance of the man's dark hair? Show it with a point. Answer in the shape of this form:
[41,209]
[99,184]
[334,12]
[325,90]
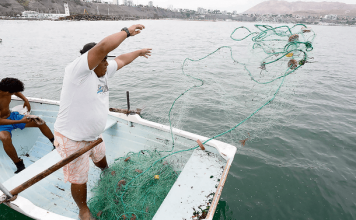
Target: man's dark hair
[87,47]
[11,85]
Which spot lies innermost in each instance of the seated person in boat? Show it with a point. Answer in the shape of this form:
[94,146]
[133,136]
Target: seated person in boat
[12,120]
[84,106]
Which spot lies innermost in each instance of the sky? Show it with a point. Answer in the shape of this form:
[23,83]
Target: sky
[229,5]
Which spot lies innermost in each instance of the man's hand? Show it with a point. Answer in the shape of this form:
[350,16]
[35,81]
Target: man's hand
[25,120]
[27,104]
[145,52]
[135,29]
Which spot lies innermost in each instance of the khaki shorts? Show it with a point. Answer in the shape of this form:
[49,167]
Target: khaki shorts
[77,171]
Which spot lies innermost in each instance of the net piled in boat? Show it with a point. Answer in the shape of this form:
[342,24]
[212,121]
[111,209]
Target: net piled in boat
[133,187]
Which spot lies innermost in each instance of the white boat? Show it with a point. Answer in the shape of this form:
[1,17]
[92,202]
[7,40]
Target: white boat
[203,172]
[37,15]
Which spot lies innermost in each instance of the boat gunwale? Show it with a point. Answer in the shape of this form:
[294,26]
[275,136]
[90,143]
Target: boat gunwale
[225,150]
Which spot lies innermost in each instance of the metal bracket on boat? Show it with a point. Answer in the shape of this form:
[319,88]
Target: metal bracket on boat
[7,197]
[126,111]
[138,111]
[200,144]
[2,199]
[128,102]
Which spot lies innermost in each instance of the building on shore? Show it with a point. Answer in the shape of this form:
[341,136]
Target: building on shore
[201,11]
[150,4]
[331,17]
[128,2]
[92,1]
[37,15]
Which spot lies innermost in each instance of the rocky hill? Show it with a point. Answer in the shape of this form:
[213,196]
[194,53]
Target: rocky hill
[15,7]
[303,8]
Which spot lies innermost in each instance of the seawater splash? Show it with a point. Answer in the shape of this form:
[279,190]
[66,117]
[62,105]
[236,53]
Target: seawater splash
[128,191]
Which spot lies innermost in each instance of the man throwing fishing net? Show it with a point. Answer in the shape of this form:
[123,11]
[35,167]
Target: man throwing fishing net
[84,106]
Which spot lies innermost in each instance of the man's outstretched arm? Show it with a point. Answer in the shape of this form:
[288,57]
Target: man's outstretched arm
[127,58]
[108,44]
[27,103]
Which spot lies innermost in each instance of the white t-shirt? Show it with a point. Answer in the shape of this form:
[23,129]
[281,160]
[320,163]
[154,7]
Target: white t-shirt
[84,102]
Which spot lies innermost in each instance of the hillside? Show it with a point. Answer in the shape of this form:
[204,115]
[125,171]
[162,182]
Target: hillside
[303,8]
[14,7]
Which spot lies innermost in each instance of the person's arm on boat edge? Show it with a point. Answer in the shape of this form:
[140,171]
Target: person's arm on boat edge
[26,102]
[108,44]
[127,58]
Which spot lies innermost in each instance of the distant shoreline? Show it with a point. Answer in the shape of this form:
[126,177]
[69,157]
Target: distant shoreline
[113,18]
[280,12]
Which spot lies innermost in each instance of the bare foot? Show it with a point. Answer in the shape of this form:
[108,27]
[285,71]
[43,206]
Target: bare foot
[84,214]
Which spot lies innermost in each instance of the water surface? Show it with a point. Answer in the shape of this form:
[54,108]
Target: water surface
[301,167]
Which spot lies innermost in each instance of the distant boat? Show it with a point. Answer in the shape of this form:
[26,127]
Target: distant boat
[0,40]
[37,15]
[203,172]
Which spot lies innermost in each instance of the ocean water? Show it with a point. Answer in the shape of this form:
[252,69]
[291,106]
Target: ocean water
[299,161]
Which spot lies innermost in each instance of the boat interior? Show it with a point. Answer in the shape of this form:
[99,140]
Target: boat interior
[200,171]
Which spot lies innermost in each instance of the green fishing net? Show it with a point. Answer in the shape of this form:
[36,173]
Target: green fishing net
[243,79]
[133,187]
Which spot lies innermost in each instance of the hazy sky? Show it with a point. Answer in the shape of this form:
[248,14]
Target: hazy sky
[228,5]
